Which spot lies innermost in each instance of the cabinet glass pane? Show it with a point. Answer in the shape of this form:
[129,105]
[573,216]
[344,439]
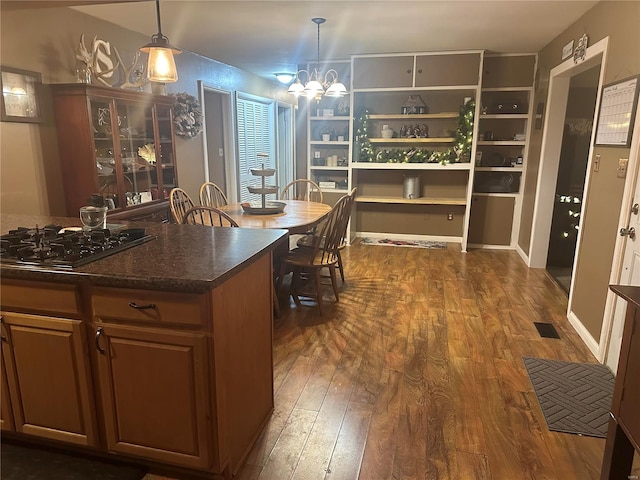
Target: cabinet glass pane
[167,164]
[105,151]
[138,153]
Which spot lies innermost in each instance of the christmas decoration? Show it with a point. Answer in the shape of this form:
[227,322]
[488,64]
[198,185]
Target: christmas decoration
[187,116]
[459,153]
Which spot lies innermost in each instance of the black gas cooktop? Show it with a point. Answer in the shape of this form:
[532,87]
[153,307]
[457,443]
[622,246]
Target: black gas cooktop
[53,246]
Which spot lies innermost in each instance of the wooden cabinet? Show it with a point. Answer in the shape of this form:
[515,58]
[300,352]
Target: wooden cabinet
[377,71]
[6,412]
[154,390]
[48,376]
[116,144]
[504,128]
[623,435]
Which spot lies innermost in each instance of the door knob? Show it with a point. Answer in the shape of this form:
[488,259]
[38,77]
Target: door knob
[628,232]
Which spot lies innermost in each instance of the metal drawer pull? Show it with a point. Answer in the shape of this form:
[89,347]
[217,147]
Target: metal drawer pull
[142,307]
[98,335]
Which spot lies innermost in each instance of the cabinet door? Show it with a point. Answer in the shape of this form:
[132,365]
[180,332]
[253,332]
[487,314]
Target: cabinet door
[154,390]
[447,70]
[49,378]
[383,72]
[6,413]
[491,220]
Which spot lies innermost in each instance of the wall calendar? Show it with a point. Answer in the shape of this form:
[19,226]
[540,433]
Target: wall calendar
[617,111]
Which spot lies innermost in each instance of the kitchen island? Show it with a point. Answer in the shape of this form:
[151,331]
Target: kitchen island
[161,353]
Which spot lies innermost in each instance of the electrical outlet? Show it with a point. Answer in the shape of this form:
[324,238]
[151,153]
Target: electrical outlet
[450,216]
[221,152]
[622,167]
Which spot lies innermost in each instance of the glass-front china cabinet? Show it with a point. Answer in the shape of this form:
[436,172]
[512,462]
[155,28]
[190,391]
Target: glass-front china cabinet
[116,148]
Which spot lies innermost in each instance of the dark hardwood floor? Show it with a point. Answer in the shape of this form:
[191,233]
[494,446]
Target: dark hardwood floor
[417,373]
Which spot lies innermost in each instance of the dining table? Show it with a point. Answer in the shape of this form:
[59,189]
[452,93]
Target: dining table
[298,216]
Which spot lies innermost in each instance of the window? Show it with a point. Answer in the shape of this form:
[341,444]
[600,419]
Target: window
[256,134]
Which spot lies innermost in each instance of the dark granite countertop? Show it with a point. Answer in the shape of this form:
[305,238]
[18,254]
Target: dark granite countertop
[187,258]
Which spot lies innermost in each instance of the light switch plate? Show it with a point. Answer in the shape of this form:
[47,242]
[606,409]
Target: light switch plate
[596,163]
[622,167]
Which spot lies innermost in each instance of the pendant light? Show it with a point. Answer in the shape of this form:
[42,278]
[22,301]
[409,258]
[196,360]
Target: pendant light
[316,87]
[162,66]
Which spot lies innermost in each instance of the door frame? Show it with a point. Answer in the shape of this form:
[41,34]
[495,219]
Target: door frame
[229,144]
[559,80]
[613,302]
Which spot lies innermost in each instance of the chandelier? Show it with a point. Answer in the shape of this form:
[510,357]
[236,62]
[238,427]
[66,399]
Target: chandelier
[317,85]
[162,66]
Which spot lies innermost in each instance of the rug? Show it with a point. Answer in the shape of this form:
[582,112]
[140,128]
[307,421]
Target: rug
[574,397]
[21,462]
[390,242]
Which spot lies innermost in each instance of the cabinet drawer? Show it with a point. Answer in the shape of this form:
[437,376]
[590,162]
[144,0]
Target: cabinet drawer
[148,306]
[41,297]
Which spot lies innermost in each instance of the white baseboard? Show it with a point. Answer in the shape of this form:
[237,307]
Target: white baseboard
[584,334]
[523,255]
[484,246]
[405,236]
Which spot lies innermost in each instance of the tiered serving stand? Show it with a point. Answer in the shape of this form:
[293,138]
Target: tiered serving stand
[266,207]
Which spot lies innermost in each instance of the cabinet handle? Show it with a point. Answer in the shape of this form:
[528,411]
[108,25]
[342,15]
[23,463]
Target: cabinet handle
[420,71]
[2,337]
[409,71]
[142,307]
[99,333]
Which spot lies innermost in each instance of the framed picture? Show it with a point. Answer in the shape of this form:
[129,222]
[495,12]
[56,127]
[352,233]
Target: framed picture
[20,92]
[617,111]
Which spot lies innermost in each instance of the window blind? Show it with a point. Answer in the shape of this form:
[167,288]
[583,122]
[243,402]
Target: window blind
[256,134]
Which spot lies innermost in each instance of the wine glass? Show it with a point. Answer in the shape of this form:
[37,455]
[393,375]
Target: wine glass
[93,218]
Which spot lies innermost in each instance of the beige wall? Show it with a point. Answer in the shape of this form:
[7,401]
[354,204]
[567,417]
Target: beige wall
[619,21]
[45,41]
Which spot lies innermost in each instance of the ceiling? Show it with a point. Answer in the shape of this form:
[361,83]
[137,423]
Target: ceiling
[265,36]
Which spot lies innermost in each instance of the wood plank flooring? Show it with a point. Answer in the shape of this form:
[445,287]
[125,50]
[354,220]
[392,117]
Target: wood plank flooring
[417,373]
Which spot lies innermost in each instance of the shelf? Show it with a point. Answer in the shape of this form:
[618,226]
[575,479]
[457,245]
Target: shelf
[330,143]
[507,89]
[415,201]
[499,169]
[505,116]
[409,166]
[334,117]
[421,116]
[434,88]
[413,140]
[512,143]
[324,167]
[495,194]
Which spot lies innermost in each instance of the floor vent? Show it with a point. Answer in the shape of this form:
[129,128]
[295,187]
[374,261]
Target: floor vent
[546,330]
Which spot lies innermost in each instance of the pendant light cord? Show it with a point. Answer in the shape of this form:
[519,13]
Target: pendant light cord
[158,16]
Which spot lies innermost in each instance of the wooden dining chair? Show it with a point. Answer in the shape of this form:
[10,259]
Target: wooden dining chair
[180,202]
[307,240]
[203,215]
[212,195]
[323,253]
[302,189]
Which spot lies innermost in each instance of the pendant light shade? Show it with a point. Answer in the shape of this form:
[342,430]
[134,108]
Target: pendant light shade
[316,86]
[161,66]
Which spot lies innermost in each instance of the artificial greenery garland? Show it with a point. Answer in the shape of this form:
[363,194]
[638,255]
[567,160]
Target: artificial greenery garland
[460,152]
[187,115]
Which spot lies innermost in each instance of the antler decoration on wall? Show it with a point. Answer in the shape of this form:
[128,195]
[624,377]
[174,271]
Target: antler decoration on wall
[132,77]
